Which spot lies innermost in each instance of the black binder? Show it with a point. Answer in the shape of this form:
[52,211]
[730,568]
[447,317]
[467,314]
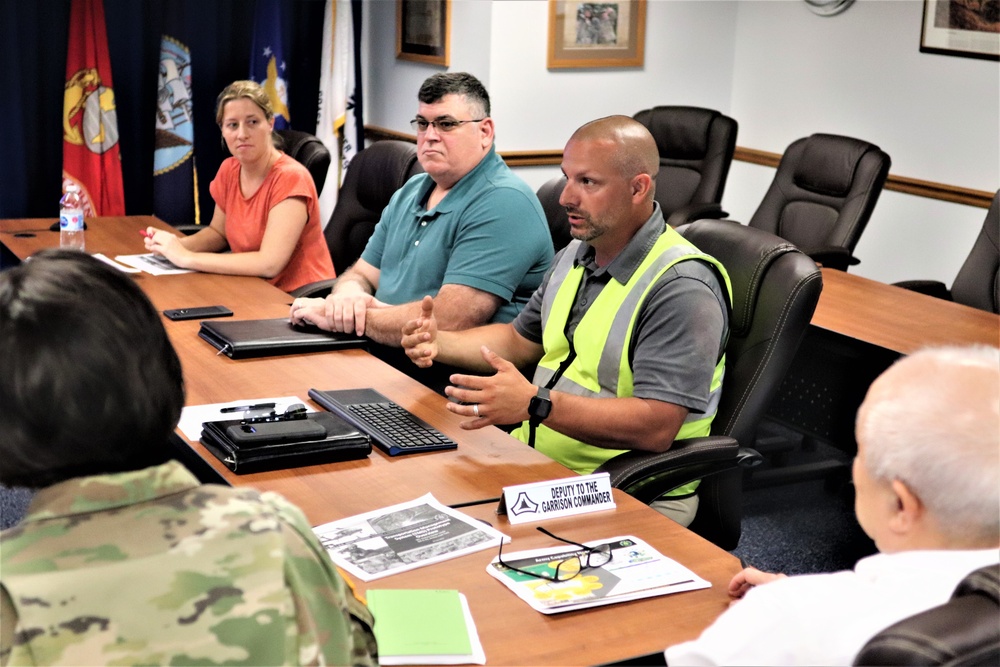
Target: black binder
[243,339]
[337,441]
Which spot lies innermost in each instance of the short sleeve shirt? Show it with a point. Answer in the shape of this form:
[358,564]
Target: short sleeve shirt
[488,233]
[246,218]
[681,329]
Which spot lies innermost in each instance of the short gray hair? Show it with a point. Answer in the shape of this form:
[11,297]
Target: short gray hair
[932,421]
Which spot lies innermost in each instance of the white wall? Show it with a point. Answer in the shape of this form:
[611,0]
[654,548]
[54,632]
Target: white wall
[391,85]
[780,70]
[540,108]
[861,74]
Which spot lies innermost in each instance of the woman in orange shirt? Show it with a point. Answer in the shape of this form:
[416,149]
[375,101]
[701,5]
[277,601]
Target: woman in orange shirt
[266,206]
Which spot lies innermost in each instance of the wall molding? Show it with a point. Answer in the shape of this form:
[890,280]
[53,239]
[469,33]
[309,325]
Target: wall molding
[910,186]
[906,185]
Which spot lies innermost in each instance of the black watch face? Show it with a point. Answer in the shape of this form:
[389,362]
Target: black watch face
[539,408]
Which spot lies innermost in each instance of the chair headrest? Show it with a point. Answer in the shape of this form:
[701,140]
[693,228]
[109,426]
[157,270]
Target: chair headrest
[747,253]
[828,163]
[548,194]
[293,139]
[387,165]
[984,581]
[991,224]
[681,133]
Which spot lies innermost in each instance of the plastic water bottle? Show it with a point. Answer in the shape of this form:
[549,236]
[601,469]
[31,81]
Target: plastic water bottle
[71,219]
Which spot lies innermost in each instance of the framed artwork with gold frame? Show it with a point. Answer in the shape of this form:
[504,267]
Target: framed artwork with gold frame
[596,34]
[423,31]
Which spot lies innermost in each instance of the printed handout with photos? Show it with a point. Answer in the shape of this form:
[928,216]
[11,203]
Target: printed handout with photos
[636,570]
[153,264]
[404,537]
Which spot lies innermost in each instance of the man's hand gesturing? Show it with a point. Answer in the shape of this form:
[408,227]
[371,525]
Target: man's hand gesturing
[420,336]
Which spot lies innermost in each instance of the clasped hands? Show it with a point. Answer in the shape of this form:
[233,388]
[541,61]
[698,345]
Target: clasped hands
[344,311]
[501,398]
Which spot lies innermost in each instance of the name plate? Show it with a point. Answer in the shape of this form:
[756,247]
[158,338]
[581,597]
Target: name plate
[558,497]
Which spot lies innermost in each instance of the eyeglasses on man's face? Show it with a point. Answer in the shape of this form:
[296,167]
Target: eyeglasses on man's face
[567,568]
[440,124]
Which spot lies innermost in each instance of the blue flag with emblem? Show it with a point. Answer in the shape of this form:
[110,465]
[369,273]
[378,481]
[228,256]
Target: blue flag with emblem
[267,60]
[175,177]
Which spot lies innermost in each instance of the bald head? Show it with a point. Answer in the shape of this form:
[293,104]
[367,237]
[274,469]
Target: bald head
[932,421]
[632,149]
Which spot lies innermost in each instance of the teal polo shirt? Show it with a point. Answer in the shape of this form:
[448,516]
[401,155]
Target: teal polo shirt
[489,232]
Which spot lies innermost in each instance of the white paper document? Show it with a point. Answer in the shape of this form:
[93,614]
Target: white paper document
[193,416]
[110,262]
[153,264]
[404,537]
[636,570]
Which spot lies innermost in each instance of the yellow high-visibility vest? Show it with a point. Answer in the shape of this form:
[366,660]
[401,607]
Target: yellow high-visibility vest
[601,367]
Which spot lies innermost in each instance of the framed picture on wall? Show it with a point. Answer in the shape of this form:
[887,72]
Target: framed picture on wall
[423,31]
[969,28]
[596,34]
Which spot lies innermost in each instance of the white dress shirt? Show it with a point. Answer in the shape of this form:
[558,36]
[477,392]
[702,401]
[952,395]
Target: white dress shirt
[825,619]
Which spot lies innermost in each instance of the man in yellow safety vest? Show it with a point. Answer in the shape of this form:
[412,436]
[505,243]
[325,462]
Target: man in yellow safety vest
[627,330]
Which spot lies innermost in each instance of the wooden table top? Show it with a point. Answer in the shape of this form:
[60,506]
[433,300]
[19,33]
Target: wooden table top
[515,634]
[486,461]
[110,235]
[884,315]
[898,319]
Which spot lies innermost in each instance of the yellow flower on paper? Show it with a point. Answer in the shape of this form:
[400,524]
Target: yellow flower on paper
[575,588]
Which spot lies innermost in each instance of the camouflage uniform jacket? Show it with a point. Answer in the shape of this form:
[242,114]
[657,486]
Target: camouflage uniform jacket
[150,567]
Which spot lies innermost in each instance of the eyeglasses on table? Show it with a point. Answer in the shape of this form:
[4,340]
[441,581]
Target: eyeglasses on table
[566,569]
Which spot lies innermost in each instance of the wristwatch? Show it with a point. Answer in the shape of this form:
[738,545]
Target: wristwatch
[540,406]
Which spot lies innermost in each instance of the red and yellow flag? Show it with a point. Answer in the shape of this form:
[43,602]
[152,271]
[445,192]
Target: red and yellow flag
[90,122]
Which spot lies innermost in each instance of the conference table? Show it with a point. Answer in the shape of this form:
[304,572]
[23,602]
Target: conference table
[860,327]
[897,319]
[472,476]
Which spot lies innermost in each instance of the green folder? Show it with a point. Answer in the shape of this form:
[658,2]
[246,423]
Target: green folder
[419,624]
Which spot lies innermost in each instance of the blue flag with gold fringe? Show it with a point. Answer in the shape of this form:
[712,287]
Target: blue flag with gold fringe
[175,177]
[267,60]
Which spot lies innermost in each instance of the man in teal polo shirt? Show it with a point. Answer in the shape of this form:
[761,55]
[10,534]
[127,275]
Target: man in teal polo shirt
[468,231]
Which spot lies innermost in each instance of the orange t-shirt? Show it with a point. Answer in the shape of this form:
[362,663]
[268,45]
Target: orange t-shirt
[246,218]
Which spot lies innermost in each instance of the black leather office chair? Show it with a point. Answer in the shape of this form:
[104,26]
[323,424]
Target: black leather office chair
[555,214]
[978,281]
[310,151]
[775,291]
[696,148]
[822,196]
[372,178]
[963,631]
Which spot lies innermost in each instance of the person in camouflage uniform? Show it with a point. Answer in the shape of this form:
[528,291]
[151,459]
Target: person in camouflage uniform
[124,557]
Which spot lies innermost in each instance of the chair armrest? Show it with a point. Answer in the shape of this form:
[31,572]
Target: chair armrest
[646,476]
[691,212]
[188,230]
[833,257]
[933,288]
[318,289]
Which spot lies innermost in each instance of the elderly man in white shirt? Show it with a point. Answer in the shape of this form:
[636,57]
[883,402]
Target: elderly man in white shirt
[926,476]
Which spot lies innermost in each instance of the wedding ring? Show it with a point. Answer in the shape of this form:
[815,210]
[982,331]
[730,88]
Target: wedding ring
[475,409]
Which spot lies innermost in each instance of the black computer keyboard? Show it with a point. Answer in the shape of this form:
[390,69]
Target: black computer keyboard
[392,428]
